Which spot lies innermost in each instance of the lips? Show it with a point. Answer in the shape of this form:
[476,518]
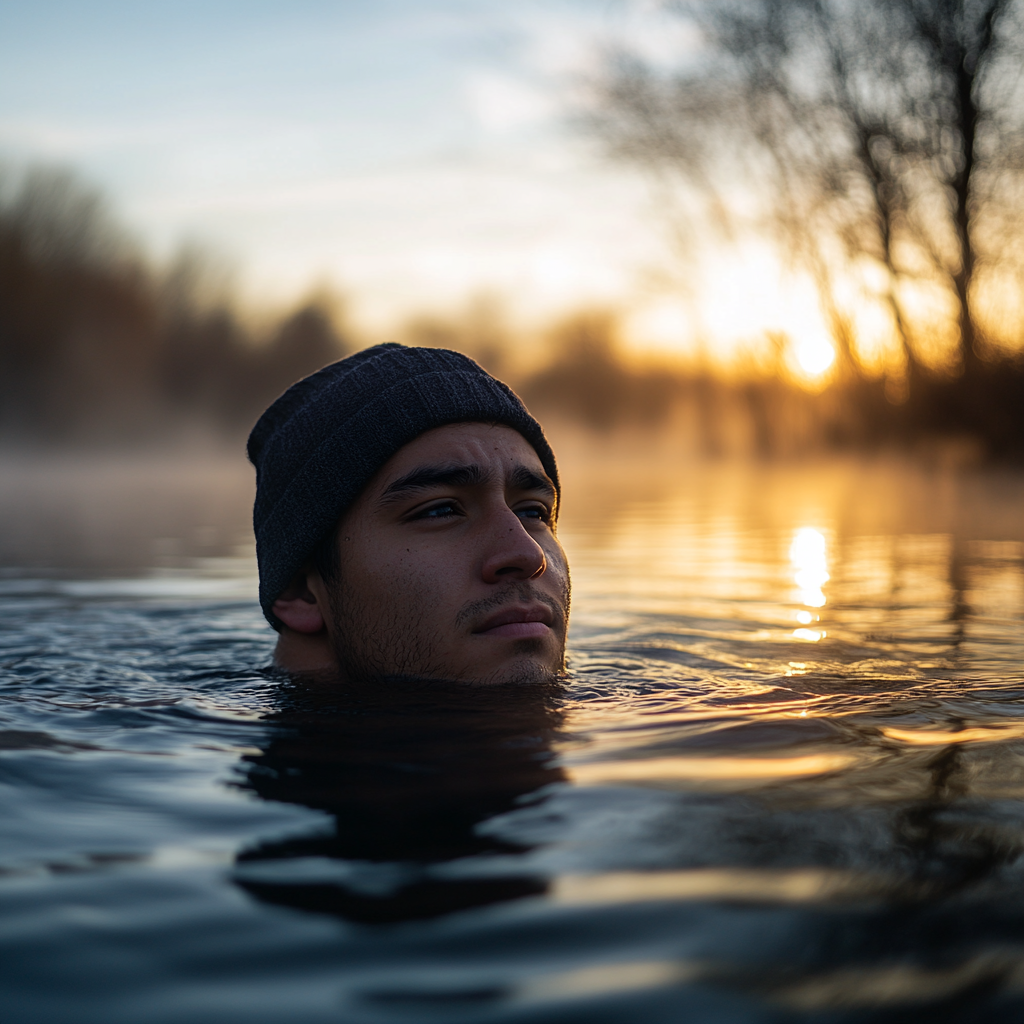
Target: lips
[518,621]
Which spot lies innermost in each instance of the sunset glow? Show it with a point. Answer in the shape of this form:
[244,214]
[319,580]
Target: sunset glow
[815,356]
[438,168]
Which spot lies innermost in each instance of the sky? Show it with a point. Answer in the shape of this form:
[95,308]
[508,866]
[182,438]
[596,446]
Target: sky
[410,155]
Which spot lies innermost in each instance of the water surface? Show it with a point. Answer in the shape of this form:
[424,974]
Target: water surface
[783,782]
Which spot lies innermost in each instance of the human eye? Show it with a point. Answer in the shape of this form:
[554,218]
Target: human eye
[439,510]
[536,511]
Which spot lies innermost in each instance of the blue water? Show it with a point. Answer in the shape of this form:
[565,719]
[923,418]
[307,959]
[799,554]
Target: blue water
[784,781]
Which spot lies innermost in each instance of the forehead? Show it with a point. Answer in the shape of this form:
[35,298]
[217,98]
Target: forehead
[492,444]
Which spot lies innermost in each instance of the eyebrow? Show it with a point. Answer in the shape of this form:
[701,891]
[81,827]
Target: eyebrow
[524,479]
[457,475]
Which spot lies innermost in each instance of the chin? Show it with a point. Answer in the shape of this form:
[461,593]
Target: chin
[524,661]
[523,667]
[522,673]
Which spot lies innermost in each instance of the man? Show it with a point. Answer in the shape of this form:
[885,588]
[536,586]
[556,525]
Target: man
[405,517]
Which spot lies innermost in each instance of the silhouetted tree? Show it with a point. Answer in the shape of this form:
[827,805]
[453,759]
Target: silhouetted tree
[78,323]
[98,344]
[305,340]
[587,380]
[480,332]
[887,131]
[95,342]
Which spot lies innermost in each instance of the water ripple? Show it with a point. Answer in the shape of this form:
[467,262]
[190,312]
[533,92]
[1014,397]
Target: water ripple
[784,781]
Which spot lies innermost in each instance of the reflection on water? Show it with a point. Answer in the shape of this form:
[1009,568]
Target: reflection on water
[406,777]
[785,780]
[153,514]
[808,555]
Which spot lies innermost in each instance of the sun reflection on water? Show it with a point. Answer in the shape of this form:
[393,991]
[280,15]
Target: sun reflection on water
[808,558]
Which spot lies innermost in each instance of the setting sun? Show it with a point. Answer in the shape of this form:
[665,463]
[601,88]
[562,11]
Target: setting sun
[814,356]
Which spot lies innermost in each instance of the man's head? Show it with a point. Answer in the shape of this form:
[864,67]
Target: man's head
[404,518]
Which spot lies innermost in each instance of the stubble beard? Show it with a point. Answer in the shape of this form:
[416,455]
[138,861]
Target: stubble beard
[397,646]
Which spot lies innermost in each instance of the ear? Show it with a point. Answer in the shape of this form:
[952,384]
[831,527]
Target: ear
[298,608]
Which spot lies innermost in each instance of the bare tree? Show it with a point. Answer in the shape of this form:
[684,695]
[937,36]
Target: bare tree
[880,132]
[96,343]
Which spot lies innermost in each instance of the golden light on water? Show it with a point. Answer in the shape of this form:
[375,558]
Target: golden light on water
[813,635]
[944,737]
[808,558]
[608,978]
[784,886]
[707,769]
[807,554]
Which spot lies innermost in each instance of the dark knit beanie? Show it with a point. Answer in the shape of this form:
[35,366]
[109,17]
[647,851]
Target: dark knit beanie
[322,441]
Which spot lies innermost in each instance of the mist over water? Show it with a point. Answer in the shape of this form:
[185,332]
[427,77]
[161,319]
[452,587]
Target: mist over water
[784,780]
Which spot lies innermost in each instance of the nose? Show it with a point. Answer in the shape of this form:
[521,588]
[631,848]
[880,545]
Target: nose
[512,554]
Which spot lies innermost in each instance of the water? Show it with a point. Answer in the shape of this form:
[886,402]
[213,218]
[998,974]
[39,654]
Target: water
[783,783]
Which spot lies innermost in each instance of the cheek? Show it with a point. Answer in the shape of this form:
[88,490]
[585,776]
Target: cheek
[407,575]
[558,565]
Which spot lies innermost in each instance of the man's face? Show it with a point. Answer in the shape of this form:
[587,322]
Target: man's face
[449,567]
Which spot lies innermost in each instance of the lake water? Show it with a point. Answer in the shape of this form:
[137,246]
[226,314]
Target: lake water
[784,782]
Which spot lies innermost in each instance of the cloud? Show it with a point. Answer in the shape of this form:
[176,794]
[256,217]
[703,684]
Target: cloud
[504,104]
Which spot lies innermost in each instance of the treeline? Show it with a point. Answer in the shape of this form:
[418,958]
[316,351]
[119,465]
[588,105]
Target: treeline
[977,411]
[877,146]
[96,344]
